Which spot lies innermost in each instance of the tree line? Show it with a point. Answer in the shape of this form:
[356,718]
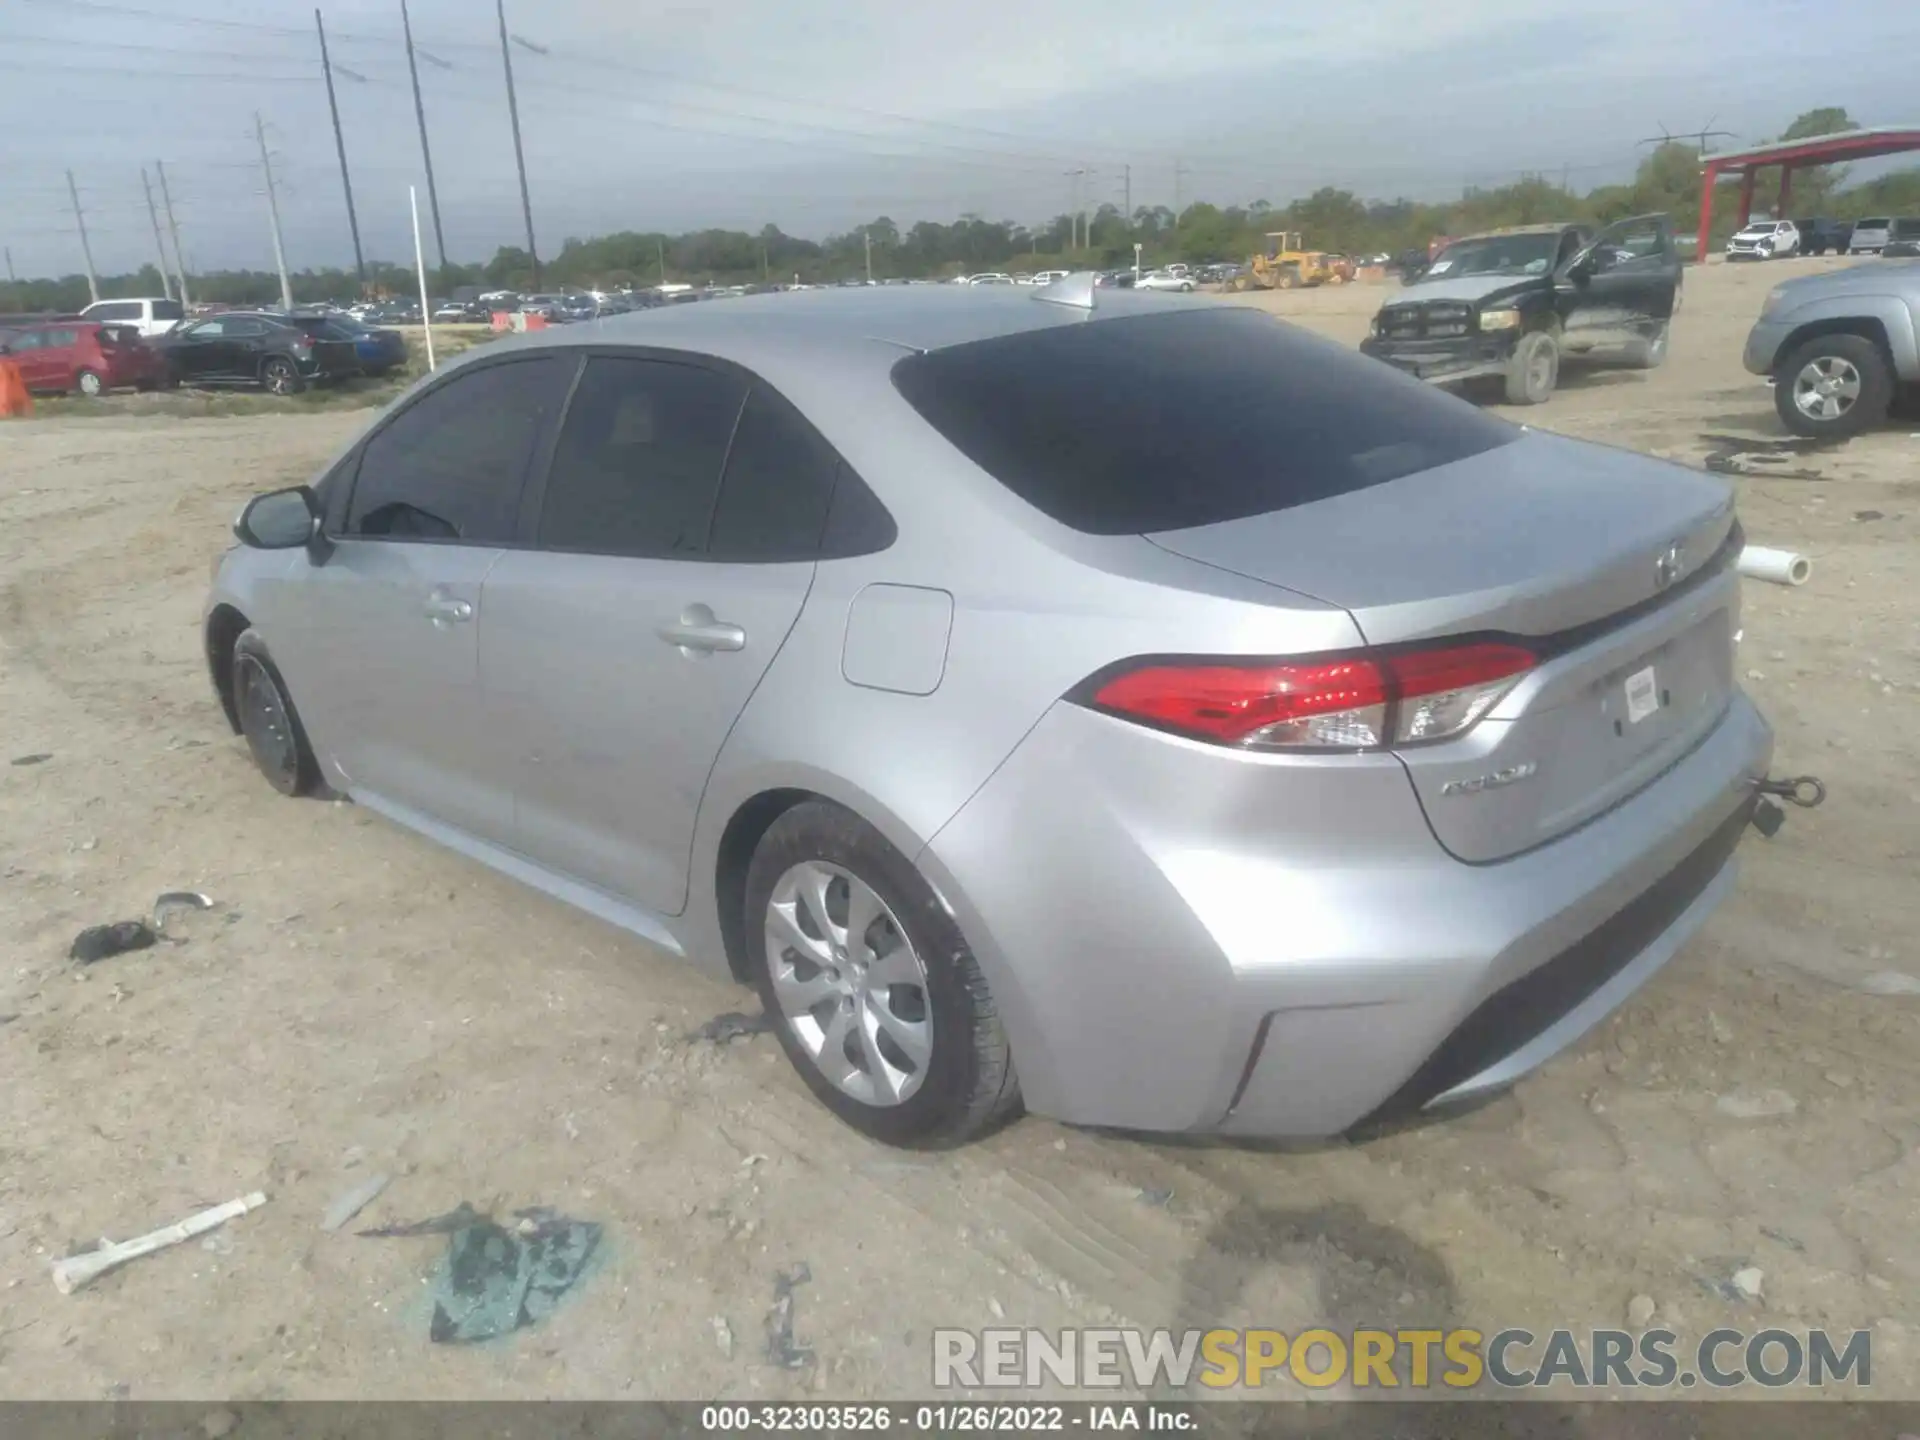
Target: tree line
[1667,181]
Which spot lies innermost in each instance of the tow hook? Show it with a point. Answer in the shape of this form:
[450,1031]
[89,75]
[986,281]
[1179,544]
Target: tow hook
[1803,790]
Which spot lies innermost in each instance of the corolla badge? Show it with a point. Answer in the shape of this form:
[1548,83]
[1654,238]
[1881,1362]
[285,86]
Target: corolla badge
[1670,565]
[1512,775]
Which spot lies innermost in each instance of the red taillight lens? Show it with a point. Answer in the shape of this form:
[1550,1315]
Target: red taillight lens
[1355,702]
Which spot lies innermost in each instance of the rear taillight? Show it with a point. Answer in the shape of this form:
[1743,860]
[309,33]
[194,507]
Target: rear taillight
[1367,701]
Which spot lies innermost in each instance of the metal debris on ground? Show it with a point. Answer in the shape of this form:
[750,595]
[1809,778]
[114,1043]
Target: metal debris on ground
[177,900]
[39,758]
[732,1025]
[350,1204]
[1750,455]
[781,1350]
[457,1218]
[101,942]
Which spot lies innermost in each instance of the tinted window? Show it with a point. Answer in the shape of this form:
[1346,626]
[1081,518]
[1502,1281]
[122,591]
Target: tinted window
[23,340]
[248,329]
[168,310]
[778,485]
[450,466]
[1161,422]
[638,464]
[60,339]
[207,330]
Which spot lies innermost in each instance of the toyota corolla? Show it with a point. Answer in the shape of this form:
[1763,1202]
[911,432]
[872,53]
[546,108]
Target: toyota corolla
[1139,710]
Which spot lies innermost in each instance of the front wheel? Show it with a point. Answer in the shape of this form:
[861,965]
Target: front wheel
[1534,369]
[1833,386]
[89,384]
[275,737]
[1186,289]
[279,377]
[877,998]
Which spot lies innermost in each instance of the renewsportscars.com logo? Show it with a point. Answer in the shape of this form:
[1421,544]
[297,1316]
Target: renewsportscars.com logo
[1458,1359]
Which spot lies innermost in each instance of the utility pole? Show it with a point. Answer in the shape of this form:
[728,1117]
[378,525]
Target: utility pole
[519,156]
[765,267]
[93,285]
[1128,192]
[12,279]
[1073,209]
[1176,194]
[867,240]
[173,229]
[426,151]
[340,145]
[662,246]
[273,214]
[159,246]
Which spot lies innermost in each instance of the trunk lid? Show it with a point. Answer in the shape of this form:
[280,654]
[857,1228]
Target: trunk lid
[1612,566]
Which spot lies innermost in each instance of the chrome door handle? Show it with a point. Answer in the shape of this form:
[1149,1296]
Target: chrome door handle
[697,629]
[442,609]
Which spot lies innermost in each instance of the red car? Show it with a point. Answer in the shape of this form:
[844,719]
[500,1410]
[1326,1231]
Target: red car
[82,357]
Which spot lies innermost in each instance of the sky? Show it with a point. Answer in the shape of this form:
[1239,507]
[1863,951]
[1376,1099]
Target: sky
[653,115]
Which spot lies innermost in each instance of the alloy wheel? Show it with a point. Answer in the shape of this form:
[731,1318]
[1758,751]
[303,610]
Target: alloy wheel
[851,986]
[90,385]
[279,377]
[1826,388]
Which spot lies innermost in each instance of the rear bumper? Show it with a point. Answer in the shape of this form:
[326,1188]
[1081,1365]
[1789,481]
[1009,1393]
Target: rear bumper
[1292,953]
[1464,358]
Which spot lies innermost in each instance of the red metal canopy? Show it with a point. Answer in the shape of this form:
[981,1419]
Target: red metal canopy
[1791,155]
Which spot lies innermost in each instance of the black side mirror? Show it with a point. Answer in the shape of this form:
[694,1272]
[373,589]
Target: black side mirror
[280,520]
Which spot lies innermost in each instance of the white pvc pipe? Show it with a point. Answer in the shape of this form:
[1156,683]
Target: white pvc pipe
[1782,567]
[420,264]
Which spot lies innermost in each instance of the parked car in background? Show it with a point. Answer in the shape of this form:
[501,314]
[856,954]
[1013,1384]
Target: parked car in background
[1870,234]
[82,357]
[1513,304]
[257,348]
[1903,240]
[460,312]
[990,277]
[1402,751]
[147,315]
[1764,240]
[1114,279]
[547,307]
[380,351]
[1838,346]
[1819,236]
[573,309]
[1164,280]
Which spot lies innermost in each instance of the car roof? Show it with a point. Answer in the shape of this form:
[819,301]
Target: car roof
[1547,228]
[861,318]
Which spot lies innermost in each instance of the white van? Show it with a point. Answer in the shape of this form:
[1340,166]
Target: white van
[149,316]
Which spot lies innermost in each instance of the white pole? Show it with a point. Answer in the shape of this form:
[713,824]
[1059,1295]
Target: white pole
[420,265]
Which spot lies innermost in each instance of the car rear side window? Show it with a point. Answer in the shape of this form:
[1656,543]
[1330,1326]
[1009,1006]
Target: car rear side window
[778,486]
[61,339]
[1164,422]
[166,310]
[637,469]
[451,465]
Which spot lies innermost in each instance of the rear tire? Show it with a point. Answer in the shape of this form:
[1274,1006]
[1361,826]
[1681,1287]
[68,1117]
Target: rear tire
[89,383]
[1833,387]
[1534,370]
[279,376]
[925,989]
[275,737]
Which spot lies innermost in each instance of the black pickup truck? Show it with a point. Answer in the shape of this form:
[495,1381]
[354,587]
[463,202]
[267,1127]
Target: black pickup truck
[1512,304]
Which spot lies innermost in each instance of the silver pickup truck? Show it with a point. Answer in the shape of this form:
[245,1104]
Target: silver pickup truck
[1839,346]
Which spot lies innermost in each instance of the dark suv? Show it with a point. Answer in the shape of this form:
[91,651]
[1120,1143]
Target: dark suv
[271,351]
[1511,304]
[1818,236]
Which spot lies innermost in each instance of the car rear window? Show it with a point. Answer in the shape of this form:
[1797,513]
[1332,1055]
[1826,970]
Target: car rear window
[1163,422]
[168,310]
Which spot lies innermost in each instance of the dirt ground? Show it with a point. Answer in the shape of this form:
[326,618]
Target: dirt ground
[360,1002]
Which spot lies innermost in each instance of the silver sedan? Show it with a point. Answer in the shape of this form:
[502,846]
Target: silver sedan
[1150,714]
